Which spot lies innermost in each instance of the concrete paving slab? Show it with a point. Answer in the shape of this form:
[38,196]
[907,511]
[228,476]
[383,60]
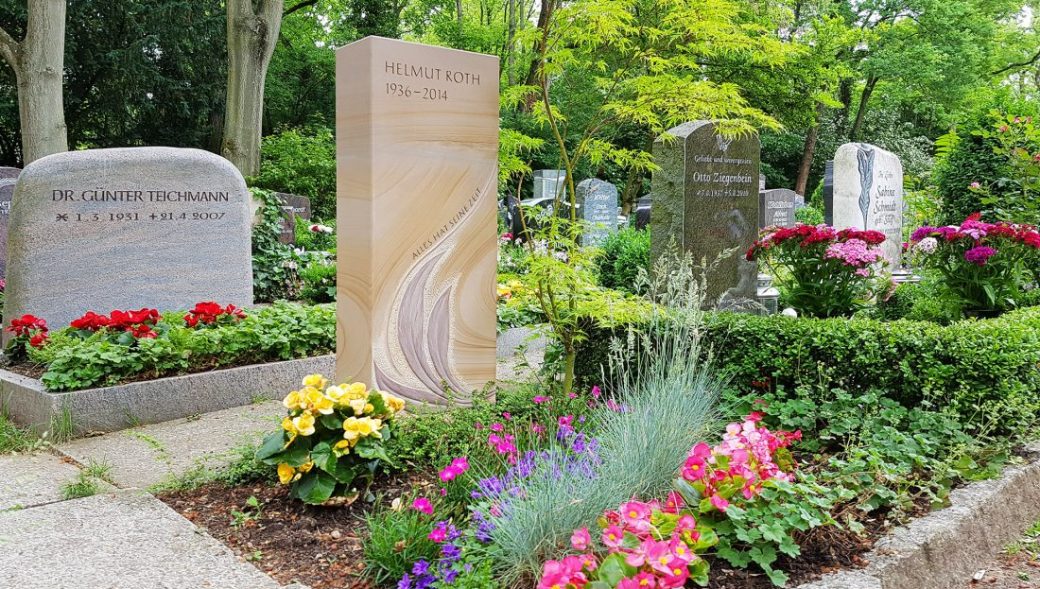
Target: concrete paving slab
[34,479]
[121,540]
[147,455]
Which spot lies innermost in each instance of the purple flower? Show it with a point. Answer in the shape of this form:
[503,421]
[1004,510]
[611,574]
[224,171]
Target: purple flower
[451,552]
[449,576]
[420,568]
[979,255]
[405,582]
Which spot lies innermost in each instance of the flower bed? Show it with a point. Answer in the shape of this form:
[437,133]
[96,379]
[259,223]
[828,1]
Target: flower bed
[127,346]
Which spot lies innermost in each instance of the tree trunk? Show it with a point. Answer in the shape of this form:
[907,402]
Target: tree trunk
[458,14]
[252,36]
[544,14]
[511,42]
[808,151]
[39,64]
[861,112]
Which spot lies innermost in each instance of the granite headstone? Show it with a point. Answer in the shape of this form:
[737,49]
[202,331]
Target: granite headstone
[868,194]
[293,206]
[127,228]
[643,206]
[548,183]
[828,192]
[8,178]
[706,200]
[598,203]
[776,207]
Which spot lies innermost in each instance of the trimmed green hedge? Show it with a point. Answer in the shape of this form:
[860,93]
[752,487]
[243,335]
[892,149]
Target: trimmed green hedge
[987,371]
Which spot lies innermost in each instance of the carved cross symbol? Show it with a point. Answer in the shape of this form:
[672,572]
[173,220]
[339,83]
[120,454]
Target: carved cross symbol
[63,217]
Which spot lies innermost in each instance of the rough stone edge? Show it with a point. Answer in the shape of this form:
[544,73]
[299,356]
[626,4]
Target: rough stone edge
[944,548]
[107,409]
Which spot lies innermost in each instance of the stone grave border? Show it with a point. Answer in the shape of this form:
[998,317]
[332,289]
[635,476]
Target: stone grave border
[107,409]
[943,549]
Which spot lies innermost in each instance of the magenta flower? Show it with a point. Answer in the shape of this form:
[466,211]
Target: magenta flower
[497,427]
[979,255]
[719,503]
[422,504]
[613,536]
[539,399]
[595,392]
[439,532]
[507,415]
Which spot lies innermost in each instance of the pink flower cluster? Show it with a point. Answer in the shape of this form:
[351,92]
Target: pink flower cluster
[745,459]
[854,252]
[457,467]
[504,445]
[982,236]
[633,533]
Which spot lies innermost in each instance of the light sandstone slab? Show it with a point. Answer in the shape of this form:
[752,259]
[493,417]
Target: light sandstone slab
[119,540]
[127,228]
[417,144]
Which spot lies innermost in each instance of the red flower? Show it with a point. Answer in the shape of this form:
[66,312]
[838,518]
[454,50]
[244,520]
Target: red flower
[142,331]
[27,325]
[208,312]
[91,321]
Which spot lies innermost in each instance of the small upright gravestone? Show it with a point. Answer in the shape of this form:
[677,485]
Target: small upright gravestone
[706,200]
[598,202]
[868,194]
[643,206]
[776,207]
[416,291]
[294,206]
[127,228]
[549,183]
[8,178]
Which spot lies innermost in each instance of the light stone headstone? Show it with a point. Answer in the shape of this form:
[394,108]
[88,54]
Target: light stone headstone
[868,194]
[776,207]
[549,183]
[598,202]
[127,228]
[417,144]
[706,200]
[8,178]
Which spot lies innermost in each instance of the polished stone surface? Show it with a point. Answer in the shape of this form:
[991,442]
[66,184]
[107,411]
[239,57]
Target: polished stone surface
[868,194]
[706,200]
[127,228]
[776,207]
[598,202]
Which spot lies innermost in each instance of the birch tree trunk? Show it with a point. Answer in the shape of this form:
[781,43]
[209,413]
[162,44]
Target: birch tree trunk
[252,35]
[38,62]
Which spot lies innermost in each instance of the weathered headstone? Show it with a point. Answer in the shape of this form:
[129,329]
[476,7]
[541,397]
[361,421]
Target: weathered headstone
[295,206]
[127,228]
[8,178]
[643,206]
[776,207]
[761,182]
[417,135]
[706,199]
[868,194]
[549,183]
[828,192]
[598,202]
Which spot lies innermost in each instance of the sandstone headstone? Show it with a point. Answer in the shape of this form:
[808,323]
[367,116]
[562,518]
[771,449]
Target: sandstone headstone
[295,206]
[598,202]
[549,183]
[776,207]
[8,178]
[127,228]
[417,138]
[706,199]
[868,194]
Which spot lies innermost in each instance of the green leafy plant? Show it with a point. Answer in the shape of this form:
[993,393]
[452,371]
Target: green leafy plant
[332,441]
[319,280]
[624,254]
[274,264]
[395,540]
[303,162]
[252,511]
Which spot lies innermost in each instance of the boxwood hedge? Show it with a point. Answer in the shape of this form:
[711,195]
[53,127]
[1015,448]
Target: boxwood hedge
[988,371]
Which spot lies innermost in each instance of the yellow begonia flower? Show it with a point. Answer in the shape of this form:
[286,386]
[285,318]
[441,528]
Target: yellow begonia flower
[318,402]
[357,391]
[361,406]
[316,381]
[305,468]
[286,473]
[355,428]
[304,424]
[293,401]
[342,447]
[335,393]
[392,403]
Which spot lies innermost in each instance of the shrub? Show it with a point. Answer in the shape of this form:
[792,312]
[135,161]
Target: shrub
[319,279]
[986,371]
[624,254]
[332,438]
[79,358]
[274,263]
[819,271]
[983,265]
[303,162]
[917,301]
[809,215]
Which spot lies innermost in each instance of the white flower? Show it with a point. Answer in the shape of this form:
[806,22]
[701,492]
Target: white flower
[789,312]
[927,245]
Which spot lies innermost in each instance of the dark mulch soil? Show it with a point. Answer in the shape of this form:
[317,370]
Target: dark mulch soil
[317,546]
[322,546]
[25,369]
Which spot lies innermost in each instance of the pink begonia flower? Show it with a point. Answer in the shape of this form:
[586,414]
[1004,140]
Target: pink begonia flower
[719,503]
[580,539]
[613,536]
[423,505]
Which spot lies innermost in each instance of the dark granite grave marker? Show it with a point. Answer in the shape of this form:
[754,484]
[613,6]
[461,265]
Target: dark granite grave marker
[294,206]
[643,211]
[706,199]
[8,178]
